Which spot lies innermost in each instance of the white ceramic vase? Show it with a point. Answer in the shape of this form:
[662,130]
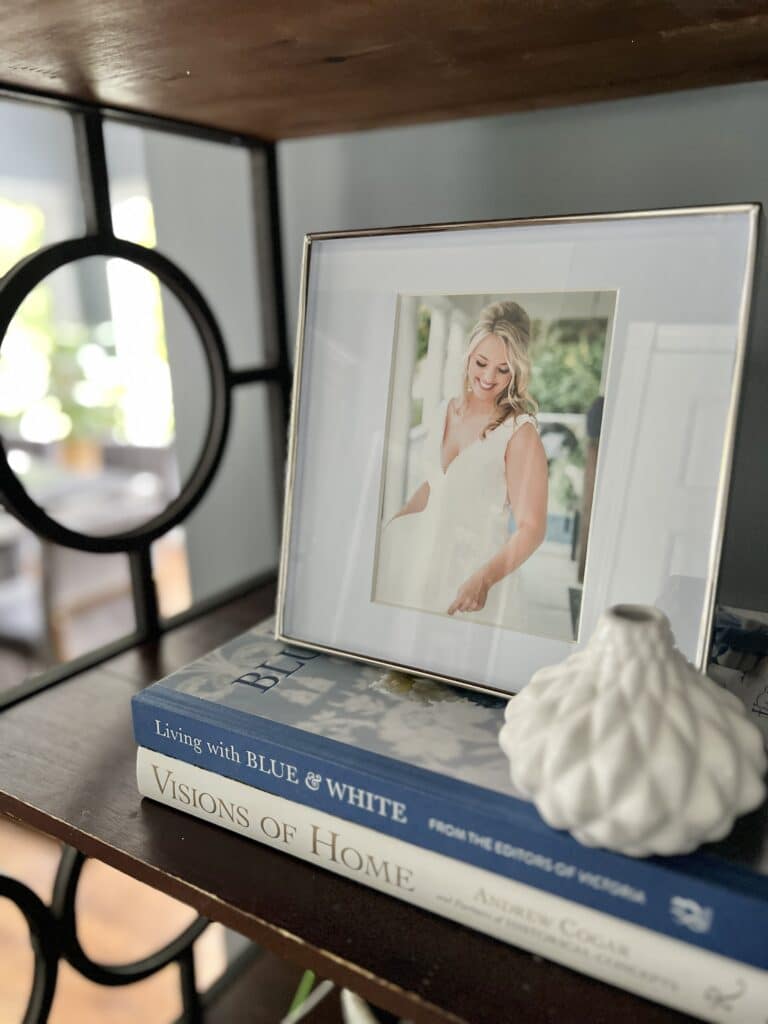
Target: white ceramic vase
[629,747]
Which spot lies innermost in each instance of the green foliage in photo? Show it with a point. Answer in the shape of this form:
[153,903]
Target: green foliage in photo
[562,480]
[567,363]
[422,331]
[417,411]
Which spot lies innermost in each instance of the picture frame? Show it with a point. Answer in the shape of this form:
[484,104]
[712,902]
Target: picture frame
[501,428]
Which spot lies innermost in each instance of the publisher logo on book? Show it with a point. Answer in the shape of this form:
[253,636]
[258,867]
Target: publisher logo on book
[691,915]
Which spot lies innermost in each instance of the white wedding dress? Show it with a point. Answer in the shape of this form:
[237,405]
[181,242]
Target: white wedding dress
[424,557]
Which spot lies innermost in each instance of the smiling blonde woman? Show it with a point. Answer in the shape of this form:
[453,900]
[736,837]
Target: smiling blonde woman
[450,548]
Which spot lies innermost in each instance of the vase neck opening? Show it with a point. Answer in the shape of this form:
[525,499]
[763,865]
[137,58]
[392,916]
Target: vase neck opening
[637,614]
[635,628]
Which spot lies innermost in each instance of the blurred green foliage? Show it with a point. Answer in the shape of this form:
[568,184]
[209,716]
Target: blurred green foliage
[562,480]
[61,345]
[62,378]
[422,332]
[52,348]
[102,420]
[417,411]
[567,364]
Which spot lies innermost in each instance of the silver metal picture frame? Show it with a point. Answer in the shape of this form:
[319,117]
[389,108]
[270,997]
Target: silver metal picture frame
[390,377]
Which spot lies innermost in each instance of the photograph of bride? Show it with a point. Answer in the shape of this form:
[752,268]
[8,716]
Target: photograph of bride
[490,457]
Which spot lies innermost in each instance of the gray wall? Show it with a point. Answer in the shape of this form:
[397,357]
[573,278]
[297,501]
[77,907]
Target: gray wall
[685,149]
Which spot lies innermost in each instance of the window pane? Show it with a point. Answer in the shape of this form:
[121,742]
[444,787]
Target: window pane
[170,568]
[104,388]
[40,200]
[56,603]
[202,195]
[233,535]
[88,373]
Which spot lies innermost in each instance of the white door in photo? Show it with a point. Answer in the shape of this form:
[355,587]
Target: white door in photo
[674,380]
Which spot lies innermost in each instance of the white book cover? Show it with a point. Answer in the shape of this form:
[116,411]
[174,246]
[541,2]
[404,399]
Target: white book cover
[634,958]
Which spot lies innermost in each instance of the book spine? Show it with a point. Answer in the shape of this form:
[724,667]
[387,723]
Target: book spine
[722,920]
[666,970]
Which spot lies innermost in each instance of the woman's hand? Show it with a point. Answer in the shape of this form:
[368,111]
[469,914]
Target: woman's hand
[416,503]
[472,594]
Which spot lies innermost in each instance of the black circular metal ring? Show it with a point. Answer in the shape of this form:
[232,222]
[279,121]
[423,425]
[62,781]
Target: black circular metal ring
[44,938]
[14,288]
[63,911]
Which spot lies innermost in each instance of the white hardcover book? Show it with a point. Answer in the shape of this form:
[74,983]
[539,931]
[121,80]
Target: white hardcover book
[637,959]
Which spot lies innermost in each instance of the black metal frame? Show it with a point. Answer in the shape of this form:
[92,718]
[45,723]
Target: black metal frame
[53,936]
[53,930]
[100,240]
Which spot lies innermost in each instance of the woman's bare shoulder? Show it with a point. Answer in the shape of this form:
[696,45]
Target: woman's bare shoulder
[514,425]
[525,419]
[524,437]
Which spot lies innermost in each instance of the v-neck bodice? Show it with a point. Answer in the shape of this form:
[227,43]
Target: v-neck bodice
[476,473]
[424,557]
[444,436]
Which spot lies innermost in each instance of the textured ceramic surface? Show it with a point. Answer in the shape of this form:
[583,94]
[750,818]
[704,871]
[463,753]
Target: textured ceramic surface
[629,747]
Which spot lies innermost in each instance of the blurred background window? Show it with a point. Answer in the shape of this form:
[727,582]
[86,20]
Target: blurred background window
[104,388]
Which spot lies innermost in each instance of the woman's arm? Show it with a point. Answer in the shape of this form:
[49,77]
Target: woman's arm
[525,464]
[416,503]
[527,486]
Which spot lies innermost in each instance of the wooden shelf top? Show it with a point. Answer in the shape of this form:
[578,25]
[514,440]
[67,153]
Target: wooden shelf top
[67,768]
[285,68]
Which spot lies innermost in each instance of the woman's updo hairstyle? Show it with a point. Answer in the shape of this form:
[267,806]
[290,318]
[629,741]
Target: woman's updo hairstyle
[512,325]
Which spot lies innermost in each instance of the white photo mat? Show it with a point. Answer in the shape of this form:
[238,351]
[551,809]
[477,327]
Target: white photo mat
[683,281]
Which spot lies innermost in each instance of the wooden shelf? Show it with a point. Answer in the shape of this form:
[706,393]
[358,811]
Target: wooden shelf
[67,768]
[280,70]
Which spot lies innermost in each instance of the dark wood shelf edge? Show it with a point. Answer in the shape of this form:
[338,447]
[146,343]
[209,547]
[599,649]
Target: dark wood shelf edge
[610,92]
[277,940]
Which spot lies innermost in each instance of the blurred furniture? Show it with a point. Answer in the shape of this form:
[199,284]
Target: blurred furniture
[22,624]
[43,585]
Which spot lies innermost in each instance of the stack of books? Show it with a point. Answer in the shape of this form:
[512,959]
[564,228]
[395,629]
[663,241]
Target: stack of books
[399,783]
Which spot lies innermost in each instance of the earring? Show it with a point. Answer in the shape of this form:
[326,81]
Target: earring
[469,387]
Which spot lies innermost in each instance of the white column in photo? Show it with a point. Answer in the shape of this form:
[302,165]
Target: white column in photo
[434,362]
[395,487]
[458,332]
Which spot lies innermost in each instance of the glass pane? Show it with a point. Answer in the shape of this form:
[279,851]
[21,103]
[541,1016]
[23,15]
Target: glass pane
[233,535]
[40,199]
[201,197]
[89,369]
[170,568]
[18,956]
[56,603]
[129,906]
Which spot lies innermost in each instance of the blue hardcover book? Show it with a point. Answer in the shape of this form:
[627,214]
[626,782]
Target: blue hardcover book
[420,761]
